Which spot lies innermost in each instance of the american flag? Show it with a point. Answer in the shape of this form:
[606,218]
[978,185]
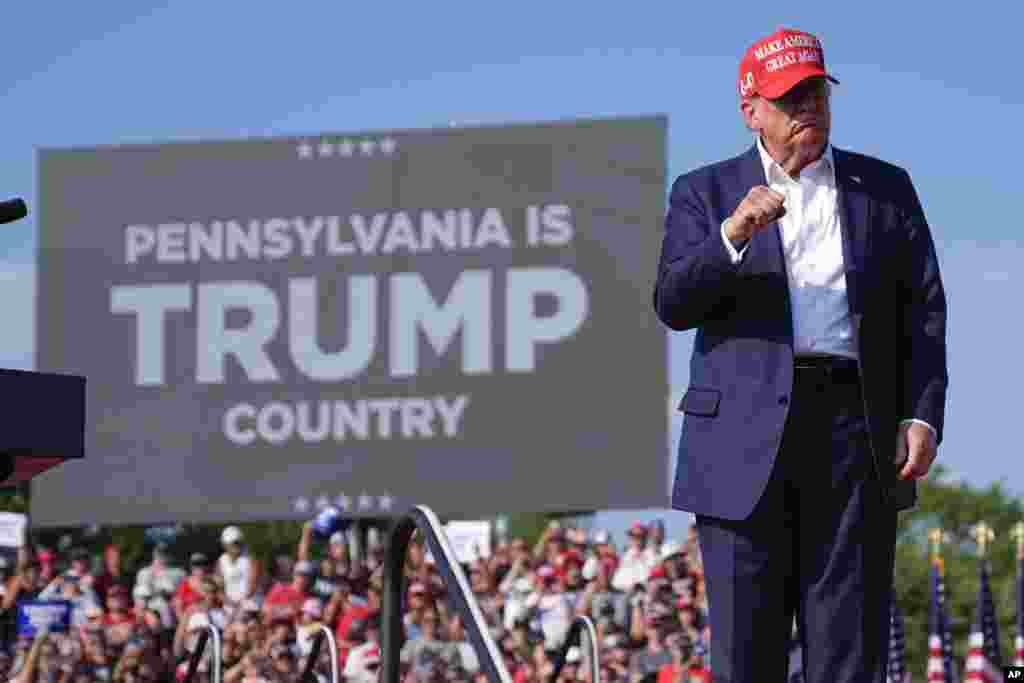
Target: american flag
[984,659]
[940,639]
[897,672]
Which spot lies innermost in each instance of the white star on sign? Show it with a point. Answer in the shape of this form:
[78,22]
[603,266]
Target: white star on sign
[365,502]
[367,147]
[322,502]
[343,501]
[326,149]
[386,502]
[301,505]
[388,146]
[305,150]
[346,148]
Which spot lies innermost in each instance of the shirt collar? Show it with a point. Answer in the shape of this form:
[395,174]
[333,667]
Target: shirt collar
[772,168]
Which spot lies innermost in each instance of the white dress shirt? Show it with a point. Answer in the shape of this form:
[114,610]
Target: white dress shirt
[812,243]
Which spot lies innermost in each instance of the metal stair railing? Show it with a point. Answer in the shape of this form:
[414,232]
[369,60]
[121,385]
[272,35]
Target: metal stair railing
[392,628]
[197,654]
[322,633]
[579,625]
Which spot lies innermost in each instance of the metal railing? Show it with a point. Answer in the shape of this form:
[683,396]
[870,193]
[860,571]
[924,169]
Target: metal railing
[322,633]
[580,625]
[197,654]
[392,628]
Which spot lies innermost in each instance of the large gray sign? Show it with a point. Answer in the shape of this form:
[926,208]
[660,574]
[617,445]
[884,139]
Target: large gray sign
[458,317]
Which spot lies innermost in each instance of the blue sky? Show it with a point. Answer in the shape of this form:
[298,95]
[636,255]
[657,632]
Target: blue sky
[935,90]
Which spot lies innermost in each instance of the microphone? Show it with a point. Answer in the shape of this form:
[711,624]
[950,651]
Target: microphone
[12,210]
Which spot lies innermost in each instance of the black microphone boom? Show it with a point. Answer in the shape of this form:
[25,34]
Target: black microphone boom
[12,210]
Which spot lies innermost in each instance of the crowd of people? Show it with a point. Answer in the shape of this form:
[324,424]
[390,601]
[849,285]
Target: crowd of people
[647,601]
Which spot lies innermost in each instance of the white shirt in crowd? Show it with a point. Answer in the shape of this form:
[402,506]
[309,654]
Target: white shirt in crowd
[554,615]
[164,581]
[634,567]
[356,663]
[236,573]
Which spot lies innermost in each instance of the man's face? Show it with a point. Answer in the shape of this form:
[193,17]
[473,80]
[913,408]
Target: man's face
[800,118]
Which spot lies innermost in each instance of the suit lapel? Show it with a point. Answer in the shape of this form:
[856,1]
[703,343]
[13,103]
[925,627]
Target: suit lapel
[854,214]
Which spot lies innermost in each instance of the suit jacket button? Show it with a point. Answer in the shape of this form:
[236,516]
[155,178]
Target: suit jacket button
[783,400]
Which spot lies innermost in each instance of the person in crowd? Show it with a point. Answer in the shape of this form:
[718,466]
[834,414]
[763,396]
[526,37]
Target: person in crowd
[69,586]
[600,551]
[189,590]
[354,612]
[647,661]
[636,563]
[366,633]
[551,543]
[119,619]
[482,582]
[550,608]
[49,565]
[285,598]
[418,601]
[656,536]
[159,577]
[239,571]
[310,621]
[206,609]
[457,648]
[422,651]
[600,602]
[112,573]
[81,566]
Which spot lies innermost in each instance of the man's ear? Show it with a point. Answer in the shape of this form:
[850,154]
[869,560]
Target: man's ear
[748,109]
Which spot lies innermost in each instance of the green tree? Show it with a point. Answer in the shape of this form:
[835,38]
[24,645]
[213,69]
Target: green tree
[956,508]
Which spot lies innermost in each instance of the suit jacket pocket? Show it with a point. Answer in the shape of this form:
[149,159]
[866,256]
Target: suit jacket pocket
[702,402]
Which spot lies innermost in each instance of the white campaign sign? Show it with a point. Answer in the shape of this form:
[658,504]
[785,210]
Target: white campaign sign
[469,540]
[12,529]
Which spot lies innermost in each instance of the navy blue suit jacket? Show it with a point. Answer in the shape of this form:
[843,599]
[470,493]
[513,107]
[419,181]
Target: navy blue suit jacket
[741,373]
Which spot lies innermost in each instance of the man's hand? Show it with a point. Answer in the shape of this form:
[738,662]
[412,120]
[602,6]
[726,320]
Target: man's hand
[761,206]
[916,449]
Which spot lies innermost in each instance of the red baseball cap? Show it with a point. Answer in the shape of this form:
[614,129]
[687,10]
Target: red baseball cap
[774,64]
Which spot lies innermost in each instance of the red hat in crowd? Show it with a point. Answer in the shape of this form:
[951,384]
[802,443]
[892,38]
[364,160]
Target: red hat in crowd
[567,560]
[638,529]
[775,63]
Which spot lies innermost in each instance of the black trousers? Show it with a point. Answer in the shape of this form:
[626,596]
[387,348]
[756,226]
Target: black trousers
[819,546]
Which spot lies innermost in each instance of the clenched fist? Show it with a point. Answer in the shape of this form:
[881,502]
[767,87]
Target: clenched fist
[761,206]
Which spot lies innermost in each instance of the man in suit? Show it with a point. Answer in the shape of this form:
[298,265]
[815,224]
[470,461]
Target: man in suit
[818,377]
